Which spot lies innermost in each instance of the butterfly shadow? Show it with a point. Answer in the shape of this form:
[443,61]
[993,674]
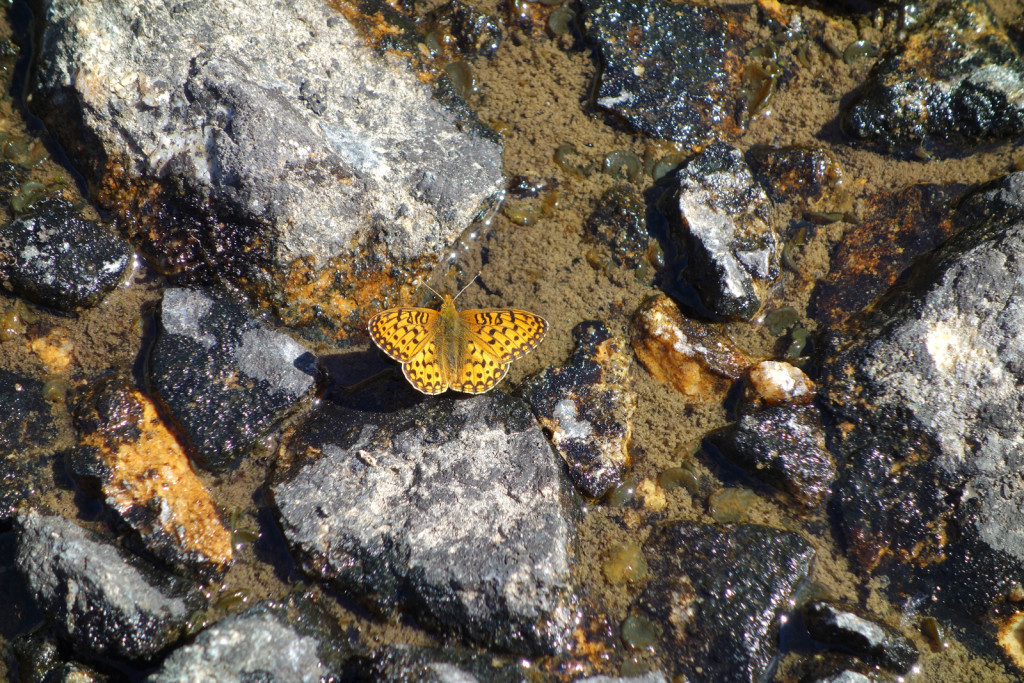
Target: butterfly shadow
[366,381]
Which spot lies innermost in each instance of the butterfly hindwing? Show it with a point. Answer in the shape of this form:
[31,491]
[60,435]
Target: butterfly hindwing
[477,370]
[424,370]
[504,334]
[401,333]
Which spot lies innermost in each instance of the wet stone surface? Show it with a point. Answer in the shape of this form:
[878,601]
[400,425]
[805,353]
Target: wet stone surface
[717,593]
[796,174]
[853,630]
[928,393]
[330,149]
[94,595]
[587,405]
[27,432]
[226,378]
[729,228]
[456,511]
[898,228]
[41,658]
[53,256]
[619,221]
[956,79]
[434,665]
[286,640]
[671,70]
[128,457]
[783,447]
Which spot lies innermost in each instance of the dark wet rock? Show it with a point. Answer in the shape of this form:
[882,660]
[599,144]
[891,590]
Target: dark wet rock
[851,629]
[649,677]
[226,378]
[435,665]
[27,432]
[53,256]
[956,79]
[293,163]
[898,227]
[796,174]
[831,667]
[97,597]
[926,399]
[587,406]
[456,511]
[729,227]
[620,222]
[473,32]
[671,70]
[289,640]
[690,355]
[718,593]
[40,658]
[783,447]
[130,458]
[20,612]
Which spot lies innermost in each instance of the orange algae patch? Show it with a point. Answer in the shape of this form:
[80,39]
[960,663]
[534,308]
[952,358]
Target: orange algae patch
[1011,639]
[153,472]
[55,350]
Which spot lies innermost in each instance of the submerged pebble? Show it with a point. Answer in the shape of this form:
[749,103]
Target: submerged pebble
[625,564]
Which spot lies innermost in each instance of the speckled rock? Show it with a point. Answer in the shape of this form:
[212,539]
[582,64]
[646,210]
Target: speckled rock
[266,157]
[929,417]
[671,70]
[27,433]
[51,255]
[956,78]
[130,458]
[436,665]
[456,511]
[853,630]
[729,228]
[783,447]
[690,355]
[805,176]
[226,378]
[587,406]
[96,596]
[718,593]
[289,640]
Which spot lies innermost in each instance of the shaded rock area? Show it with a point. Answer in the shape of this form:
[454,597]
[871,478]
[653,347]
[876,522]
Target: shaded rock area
[435,665]
[294,163]
[27,432]
[619,221]
[783,447]
[456,511]
[40,658]
[851,629]
[128,456]
[898,227]
[670,70]
[587,406]
[690,355]
[728,226]
[94,595]
[798,174]
[956,78]
[226,378]
[718,592]
[53,256]
[288,640]
[926,394]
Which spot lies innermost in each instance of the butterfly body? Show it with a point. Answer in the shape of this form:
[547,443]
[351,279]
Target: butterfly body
[468,351]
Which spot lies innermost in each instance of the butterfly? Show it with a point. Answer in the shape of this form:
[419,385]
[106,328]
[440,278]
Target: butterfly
[468,351]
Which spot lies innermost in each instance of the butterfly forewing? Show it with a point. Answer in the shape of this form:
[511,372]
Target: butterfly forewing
[504,334]
[403,332]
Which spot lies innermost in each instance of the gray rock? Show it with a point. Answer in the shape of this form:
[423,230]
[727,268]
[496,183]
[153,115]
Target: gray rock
[437,665]
[734,250]
[292,640]
[95,595]
[457,510]
[267,151]
[855,631]
[956,78]
[53,256]
[225,377]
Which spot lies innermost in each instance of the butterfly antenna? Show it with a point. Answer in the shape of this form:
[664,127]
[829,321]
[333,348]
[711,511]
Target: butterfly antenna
[467,286]
[433,290]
